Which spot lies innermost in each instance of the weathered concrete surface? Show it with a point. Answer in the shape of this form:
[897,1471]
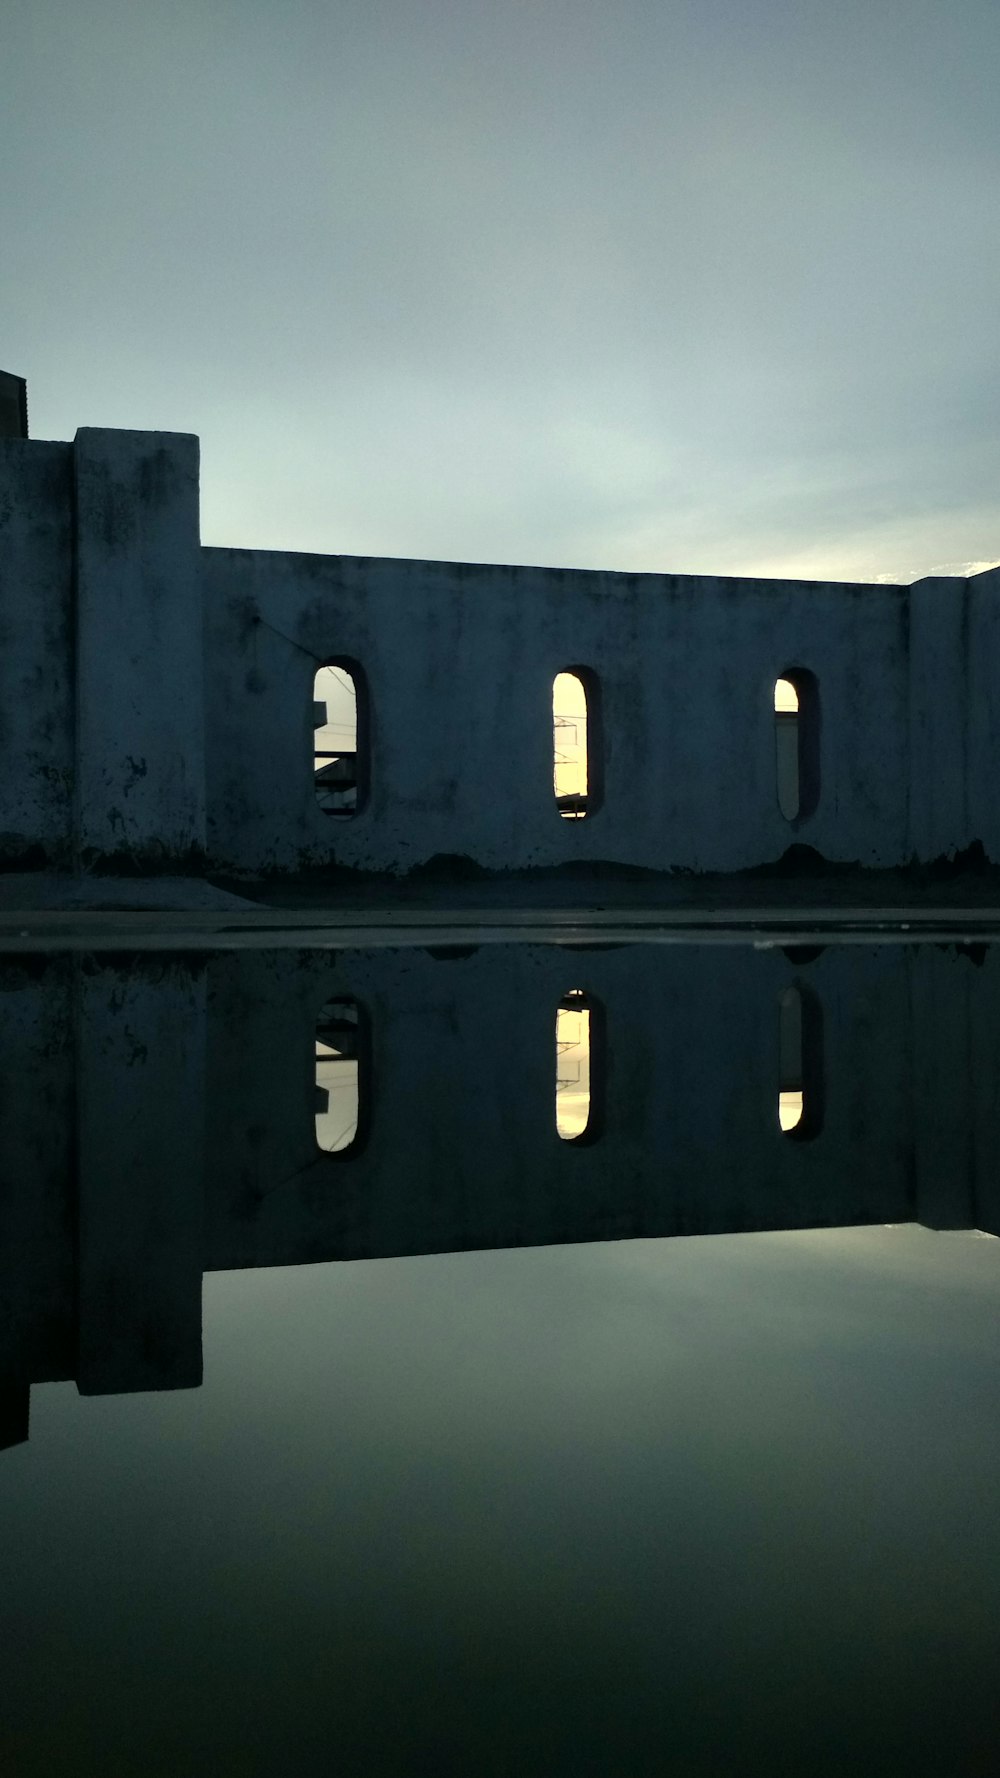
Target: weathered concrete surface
[459,663]
[13,406]
[140,684]
[939,640]
[29,891]
[36,655]
[981,704]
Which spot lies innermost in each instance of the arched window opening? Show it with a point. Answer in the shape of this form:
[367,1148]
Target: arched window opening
[576,743]
[341,1083]
[340,741]
[800,1063]
[796,737]
[579,1067]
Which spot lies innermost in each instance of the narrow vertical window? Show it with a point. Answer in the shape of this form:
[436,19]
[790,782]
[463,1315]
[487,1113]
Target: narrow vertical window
[341,1085]
[579,1067]
[800,1063]
[340,742]
[796,738]
[576,743]
[786,736]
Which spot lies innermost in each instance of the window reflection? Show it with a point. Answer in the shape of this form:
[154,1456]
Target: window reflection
[790,1091]
[579,1066]
[790,1108]
[800,1063]
[338,1076]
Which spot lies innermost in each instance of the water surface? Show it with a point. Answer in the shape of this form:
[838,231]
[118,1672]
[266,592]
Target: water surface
[704,1503]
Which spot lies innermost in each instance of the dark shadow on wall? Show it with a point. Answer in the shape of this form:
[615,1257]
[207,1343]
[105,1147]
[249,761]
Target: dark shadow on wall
[800,877]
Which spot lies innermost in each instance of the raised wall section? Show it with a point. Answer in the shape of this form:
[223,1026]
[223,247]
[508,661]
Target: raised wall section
[156,698]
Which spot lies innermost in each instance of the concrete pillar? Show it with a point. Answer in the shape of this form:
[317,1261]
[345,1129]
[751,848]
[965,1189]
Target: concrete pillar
[983,711]
[139,643]
[939,806]
[140,1148]
[36,686]
[13,406]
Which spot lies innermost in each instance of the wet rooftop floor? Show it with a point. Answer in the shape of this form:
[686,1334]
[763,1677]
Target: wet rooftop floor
[570,1354]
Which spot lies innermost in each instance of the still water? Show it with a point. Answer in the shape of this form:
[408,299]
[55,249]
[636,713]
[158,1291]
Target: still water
[507,1361]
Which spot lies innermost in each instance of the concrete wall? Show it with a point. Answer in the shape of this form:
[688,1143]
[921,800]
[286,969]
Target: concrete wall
[459,663]
[101,653]
[156,697]
[37,692]
[140,779]
[158,1120]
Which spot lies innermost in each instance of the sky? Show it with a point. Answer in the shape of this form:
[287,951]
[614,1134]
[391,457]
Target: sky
[671,285]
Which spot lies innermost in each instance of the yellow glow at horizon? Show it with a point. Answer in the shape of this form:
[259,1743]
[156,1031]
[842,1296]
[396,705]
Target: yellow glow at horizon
[569,719]
[786,698]
[790,1108]
[572,1071]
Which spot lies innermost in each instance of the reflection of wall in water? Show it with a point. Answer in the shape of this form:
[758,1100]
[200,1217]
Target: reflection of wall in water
[158,1120]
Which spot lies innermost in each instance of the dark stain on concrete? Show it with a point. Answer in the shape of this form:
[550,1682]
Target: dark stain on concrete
[156,482]
[137,768]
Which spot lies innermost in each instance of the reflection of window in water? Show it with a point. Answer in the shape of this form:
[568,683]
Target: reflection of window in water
[791,1089]
[335,740]
[790,1108]
[801,1086]
[338,1081]
[572,1065]
[569,745]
